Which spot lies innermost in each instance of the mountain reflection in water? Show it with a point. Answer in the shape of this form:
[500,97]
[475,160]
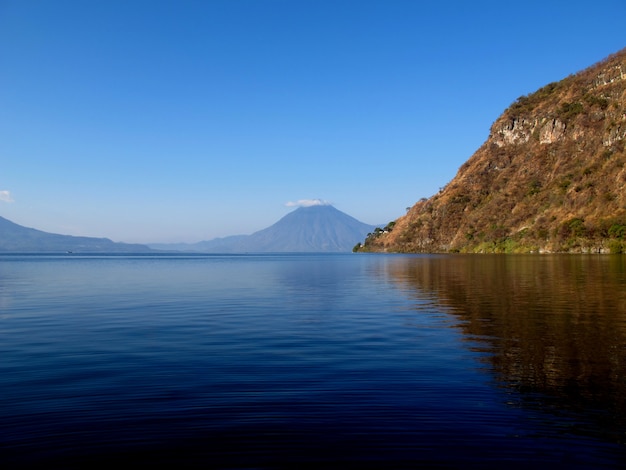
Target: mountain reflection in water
[554,328]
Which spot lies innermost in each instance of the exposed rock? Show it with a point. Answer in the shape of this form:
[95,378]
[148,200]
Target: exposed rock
[516,131]
[551,131]
[549,178]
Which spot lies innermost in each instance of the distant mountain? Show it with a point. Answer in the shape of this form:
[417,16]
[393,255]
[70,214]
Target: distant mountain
[314,229]
[550,177]
[216,245]
[16,238]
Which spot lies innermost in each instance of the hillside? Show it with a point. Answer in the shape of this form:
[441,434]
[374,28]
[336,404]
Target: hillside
[315,229]
[549,178]
[16,238]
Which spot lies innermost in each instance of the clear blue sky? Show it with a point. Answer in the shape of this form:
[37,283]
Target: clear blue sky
[163,121]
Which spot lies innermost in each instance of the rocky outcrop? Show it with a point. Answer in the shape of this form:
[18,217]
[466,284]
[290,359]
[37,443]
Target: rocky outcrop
[514,132]
[551,131]
[520,130]
[550,177]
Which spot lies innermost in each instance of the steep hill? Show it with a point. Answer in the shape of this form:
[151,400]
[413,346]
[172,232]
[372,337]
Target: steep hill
[550,177]
[319,229]
[311,229]
[16,238]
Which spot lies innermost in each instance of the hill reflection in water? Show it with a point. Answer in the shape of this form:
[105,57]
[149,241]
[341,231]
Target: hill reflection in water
[312,361]
[554,328]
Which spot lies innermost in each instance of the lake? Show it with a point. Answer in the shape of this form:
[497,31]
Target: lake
[313,361]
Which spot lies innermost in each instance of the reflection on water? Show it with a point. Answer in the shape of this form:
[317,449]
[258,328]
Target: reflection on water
[321,361]
[554,328]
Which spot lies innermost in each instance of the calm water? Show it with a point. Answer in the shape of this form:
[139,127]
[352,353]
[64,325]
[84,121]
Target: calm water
[319,361]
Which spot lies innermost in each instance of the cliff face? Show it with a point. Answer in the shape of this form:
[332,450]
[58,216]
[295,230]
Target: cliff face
[550,177]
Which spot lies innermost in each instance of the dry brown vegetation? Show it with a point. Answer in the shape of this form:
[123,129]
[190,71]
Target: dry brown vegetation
[550,177]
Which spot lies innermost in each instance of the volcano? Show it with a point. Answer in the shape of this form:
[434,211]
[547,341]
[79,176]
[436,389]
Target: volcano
[313,229]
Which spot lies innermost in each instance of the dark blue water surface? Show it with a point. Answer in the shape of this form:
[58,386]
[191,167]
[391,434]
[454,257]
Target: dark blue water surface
[318,361]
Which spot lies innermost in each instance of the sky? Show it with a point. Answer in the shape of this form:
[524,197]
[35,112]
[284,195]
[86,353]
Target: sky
[179,121]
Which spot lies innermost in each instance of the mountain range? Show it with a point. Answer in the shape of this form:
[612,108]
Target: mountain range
[16,238]
[549,178]
[318,228]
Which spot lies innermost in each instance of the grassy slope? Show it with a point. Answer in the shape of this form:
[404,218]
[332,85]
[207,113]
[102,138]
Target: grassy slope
[550,177]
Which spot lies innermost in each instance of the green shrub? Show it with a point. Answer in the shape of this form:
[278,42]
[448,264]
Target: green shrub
[389,226]
[617,231]
[573,228]
[569,110]
[616,246]
[593,100]
[564,184]
[534,188]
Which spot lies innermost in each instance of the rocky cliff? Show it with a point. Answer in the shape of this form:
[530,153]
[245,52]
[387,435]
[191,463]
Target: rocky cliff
[550,177]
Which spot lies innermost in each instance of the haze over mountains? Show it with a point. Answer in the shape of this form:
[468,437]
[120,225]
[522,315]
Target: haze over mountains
[16,238]
[551,177]
[316,229]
